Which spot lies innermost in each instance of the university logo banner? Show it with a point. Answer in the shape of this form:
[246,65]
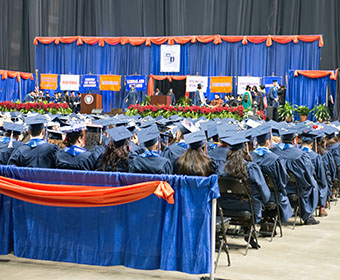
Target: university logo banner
[242,82]
[90,82]
[193,81]
[138,80]
[110,82]
[170,58]
[69,82]
[49,81]
[221,84]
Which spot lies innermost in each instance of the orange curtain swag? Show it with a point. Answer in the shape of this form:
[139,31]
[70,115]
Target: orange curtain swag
[12,74]
[317,74]
[83,196]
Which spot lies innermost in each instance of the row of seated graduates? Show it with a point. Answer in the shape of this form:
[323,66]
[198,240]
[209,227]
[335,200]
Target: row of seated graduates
[186,147]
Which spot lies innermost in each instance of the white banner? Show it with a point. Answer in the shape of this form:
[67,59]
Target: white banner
[242,82]
[170,58]
[193,81]
[69,82]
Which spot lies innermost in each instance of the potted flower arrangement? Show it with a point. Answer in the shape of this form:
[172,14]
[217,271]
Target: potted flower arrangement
[286,112]
[321,112]
[303,112]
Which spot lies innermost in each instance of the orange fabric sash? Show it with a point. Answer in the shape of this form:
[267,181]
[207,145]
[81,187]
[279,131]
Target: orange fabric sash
[12,74]
[317,73]
[83,196]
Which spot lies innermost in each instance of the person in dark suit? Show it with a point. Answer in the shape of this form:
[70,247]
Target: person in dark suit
[157,92]
[273,97]
[36,152]
[172,95]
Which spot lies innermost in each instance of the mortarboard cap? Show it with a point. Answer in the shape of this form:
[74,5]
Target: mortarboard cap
[308,136]
[287,133]
[236,142]
[57,135]
[119,134]
[330,131]
[148,136]
[14,127]
[262,134]
[195,139]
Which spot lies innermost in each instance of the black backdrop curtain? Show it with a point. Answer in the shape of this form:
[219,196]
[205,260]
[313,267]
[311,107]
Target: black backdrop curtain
[22,20]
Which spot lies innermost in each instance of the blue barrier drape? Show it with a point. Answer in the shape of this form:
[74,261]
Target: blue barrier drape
[9,89]
[306,91]
[226,59]
[26,86]
[146,234]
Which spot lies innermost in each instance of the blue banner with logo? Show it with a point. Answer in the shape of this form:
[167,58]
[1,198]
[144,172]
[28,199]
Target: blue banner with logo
[138,80]
[89,82]
[268,81]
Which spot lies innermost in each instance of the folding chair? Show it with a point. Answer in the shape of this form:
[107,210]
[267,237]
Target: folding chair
[272,209]
[294,198]
[238,190]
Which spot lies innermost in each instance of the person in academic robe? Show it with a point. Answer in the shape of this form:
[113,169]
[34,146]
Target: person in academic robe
[74,155]
[10,141]
[47,97]
[117,152]
[36,152]
[175,150]
[258,99]
[173,97]
[331,143]
[273,97]
[76,103]
[240,166]
[150,161]
[157,92]
[195,161]
[272,165]
[300,165]
[131,97]
[30,97]
[217,101]
[199,98]
[308,138]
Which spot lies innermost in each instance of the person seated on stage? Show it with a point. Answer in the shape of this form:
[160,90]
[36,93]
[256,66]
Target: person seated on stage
[55,98]
[30,97]
[226,100]
[195,161]
[10,141]
[233,102]
[74,156]
[240,166]
[36,152]
[150,161]
[47,96]
[246,98]
[173,97]
[76,103]
[157,92]
[300,165]
[218,101]
[117,152]
[308,138]
[175,150]
[273,166]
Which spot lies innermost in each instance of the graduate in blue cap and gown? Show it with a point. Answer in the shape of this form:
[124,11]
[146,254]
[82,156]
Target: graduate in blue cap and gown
[74,156]
[240,166]
[36,152]
[117,152]
[300,164]
[331,143]
[274,167]
[10,141]
[195,161]
[150,161]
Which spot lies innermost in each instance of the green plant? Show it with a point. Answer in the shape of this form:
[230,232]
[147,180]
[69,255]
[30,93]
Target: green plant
[146,101]
[286,111]
[321,112]
[302,110]
[183,101]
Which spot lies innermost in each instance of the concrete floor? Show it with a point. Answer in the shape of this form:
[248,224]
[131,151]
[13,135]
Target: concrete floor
[308,252]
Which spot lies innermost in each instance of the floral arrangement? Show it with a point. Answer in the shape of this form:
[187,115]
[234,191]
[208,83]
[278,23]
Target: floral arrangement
[39,107]
[193,112]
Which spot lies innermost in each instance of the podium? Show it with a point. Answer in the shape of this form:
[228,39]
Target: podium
[160,100]
[90,101]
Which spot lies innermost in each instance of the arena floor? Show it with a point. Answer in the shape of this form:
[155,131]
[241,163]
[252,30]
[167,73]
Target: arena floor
[308,252]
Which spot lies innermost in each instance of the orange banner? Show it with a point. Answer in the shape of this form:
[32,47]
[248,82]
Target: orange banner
[221,84]
[110,82]
[49,81]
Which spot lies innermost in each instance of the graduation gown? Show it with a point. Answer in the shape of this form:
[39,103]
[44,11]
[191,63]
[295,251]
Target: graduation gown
[35,153]
[174,151]
[330,168]
[74,157]
[320,175]
[218,155]
[150,162]
[260,193]
[300,164]
[335,151]
[6,152]
[273,166]
[131,98]
[136,150]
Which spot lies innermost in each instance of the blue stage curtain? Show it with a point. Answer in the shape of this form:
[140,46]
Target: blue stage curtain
[9,89]
[306,91]
[146,234]
[26,87]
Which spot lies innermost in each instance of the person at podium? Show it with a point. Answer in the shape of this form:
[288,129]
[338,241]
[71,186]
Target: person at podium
[158,92]
[131,97]
[172,95]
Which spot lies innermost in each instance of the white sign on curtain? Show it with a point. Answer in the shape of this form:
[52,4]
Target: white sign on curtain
[69,82]
[170,58]
[242,82]
[193,81]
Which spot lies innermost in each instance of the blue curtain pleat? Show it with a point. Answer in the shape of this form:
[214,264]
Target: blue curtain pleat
[146,234]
